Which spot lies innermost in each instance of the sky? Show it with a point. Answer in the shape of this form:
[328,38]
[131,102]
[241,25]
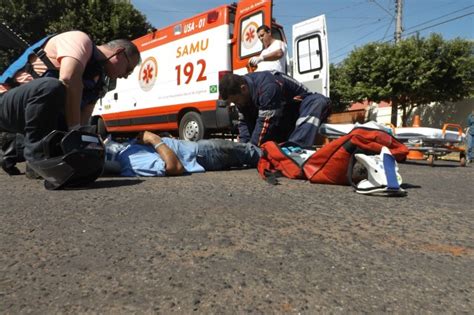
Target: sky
[350,23]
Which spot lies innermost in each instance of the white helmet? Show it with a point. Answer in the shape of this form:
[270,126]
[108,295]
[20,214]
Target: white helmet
[382,172]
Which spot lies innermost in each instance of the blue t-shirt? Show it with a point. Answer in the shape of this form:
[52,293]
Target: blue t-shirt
[142,160]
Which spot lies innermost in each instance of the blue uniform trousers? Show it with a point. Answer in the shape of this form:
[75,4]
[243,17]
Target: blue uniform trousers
[314,109]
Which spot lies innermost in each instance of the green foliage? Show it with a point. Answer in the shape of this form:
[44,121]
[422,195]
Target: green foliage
[103,20]
[339,103]
[414,72]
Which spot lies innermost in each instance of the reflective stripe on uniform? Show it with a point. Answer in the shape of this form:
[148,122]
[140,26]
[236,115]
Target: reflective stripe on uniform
[264,130]
[308,120]
[269,113]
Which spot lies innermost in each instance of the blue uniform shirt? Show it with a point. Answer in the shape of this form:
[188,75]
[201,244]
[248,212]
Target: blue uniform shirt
[272,114]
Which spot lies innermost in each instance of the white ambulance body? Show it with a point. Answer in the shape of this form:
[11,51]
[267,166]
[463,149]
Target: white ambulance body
[175,88]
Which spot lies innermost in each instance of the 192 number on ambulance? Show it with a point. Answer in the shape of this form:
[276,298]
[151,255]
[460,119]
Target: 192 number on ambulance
[188,70]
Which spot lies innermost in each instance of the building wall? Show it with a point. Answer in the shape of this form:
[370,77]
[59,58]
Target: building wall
[437,114]
[434,115]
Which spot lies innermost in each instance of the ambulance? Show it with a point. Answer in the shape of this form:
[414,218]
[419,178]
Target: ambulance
[176,86]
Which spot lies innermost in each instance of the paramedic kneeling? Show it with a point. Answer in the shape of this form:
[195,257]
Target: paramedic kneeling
[54,85]
[274,106]
[152,155]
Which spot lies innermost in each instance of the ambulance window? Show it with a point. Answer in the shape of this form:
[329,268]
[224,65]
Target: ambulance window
[177,29]
[309,54]
[249,42]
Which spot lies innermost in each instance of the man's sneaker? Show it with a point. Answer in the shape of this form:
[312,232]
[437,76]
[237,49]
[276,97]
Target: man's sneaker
[30,173]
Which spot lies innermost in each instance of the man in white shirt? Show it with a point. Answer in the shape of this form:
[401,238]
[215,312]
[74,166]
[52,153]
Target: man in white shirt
[273,56]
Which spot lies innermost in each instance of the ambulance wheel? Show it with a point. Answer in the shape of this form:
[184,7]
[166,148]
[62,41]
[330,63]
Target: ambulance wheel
[191,127]
[101,129]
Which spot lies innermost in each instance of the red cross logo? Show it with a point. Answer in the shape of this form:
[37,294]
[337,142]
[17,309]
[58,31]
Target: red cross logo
[148,73]
[250,35]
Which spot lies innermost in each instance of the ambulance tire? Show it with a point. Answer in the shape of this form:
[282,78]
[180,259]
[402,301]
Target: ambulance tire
[191,127]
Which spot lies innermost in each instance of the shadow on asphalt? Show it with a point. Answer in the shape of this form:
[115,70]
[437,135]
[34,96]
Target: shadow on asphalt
[450,164]
[109,183]
[409,186]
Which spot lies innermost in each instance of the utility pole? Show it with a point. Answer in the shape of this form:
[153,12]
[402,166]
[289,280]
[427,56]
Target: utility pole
[398,26]
[398,37]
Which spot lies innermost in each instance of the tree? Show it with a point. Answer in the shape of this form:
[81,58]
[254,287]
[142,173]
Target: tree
[103,20]
[414,72]
[363,75]
[339,103]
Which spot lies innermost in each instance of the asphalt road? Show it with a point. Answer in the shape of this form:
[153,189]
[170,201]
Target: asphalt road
[227,242]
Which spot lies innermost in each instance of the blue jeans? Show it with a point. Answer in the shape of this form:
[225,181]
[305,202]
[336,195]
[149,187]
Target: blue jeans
[219,154]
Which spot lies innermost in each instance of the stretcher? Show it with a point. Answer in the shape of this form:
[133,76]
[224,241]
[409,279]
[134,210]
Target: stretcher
[430,142]
[334,131]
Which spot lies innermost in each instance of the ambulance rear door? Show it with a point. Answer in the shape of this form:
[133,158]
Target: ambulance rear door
[310,54]
[250,15]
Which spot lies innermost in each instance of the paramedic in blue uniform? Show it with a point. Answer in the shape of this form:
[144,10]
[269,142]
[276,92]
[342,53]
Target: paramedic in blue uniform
[152,155]
[56,86]
[274,106]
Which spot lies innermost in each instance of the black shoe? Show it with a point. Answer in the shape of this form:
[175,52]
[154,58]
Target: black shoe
[30,173]
[12,170]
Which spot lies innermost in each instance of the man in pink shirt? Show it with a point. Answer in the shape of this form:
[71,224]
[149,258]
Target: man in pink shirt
[59,91]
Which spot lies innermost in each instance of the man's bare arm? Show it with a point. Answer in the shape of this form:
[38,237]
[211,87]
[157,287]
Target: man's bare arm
[70,73]
[172,164]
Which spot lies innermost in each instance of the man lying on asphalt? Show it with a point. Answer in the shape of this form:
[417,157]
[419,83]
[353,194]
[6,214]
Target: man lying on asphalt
[152,155]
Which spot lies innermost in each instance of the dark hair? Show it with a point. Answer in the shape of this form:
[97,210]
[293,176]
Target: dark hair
[263,27]
[130,48]
[230,85]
